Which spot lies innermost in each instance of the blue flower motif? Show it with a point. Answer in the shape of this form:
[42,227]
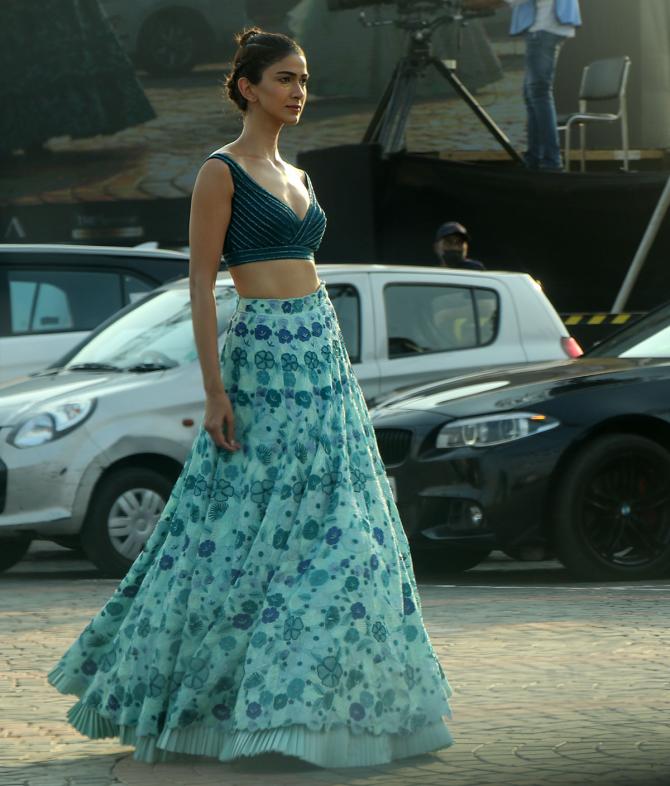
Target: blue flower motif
[379,631]
[317,328]
[89,667]
[329,671]
[280,701]
[293,627]
[303,398]
[374,562]
[357,610]
[221,712]
[303,334]
[262,377]
[130,591]
[351,583]
[166,562]
[408,605]
[312,360]
[176,527]
[286,307]
[289,362]
[333,535]
[273,397]
[379,535]
[264,359]
[357,711]
[241,329]
[239,356]
[262,332]
[242,621]
[254,709]
[270,614]
[276,599]
[303,565]
[285,336]
[113,703]
[206,548]
[243,398]
[326,392]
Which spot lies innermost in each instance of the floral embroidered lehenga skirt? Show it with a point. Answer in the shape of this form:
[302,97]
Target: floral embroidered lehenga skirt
[274,607]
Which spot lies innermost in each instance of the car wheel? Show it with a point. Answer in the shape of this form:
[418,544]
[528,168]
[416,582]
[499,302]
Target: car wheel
[613,511]
[170,43]
[12,551]
[121,516]
[452,559]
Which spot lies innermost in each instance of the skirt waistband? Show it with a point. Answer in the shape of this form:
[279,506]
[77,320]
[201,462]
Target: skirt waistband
[285,305]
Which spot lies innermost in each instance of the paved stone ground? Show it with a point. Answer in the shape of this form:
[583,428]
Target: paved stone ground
[161,158]
[556,682]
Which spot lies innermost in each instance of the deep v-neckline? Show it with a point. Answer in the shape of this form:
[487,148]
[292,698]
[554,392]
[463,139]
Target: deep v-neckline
[255,182]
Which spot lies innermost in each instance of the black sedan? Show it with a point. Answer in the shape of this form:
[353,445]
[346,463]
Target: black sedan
[567,458]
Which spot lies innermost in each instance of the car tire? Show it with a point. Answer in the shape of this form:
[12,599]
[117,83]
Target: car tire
[12,551]
[134,497]
[170,43]
[606,526]
[453,559]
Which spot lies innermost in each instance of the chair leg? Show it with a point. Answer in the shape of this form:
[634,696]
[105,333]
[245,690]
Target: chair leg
[582,142]
[566,164]
[625,138]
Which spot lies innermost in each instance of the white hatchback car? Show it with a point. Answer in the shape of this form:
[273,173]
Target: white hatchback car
[91,446]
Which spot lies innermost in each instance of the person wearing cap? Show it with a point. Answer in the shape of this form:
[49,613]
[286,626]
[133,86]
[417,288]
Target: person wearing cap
[451,247]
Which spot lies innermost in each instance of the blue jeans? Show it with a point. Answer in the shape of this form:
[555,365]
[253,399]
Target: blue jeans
[542,50]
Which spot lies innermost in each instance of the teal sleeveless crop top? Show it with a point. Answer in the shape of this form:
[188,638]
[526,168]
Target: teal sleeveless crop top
[264,227]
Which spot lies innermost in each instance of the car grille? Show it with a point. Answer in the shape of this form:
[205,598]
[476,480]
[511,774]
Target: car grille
[394,444]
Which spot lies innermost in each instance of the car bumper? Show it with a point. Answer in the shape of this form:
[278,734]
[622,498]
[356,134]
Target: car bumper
[46,488]
[495,497]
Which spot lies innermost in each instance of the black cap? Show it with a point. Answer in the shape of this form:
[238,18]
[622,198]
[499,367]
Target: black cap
[451,228]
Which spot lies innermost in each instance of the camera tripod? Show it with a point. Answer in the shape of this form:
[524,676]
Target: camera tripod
[389,121]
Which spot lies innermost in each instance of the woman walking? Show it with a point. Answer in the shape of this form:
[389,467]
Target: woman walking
[274,607]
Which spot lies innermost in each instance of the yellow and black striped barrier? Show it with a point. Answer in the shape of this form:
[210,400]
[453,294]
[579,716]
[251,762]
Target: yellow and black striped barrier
[599,319]
[593,327]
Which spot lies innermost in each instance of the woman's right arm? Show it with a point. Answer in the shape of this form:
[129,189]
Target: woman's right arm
[210,216]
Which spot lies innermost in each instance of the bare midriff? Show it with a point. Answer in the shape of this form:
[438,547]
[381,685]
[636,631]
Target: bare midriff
[275,278]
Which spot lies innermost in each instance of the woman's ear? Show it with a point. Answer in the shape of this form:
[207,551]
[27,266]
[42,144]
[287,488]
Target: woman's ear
[246,89]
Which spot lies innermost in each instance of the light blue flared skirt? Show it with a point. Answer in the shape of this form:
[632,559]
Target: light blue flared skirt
[274,607]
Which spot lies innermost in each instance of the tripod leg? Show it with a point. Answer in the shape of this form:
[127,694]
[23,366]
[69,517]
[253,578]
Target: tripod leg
[477,108]
[393,133]
[373,129]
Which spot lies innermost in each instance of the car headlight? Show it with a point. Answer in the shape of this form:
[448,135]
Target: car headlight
[490,430]
[51,423]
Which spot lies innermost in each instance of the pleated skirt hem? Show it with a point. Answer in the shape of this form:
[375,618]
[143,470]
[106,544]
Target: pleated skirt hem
[334,747]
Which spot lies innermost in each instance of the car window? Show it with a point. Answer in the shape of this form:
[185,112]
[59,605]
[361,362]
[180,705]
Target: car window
[423,318]
[346,302]
[159,330]
[135,288]
[43,301]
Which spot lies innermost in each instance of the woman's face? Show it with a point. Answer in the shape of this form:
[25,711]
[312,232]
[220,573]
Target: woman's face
[282,91]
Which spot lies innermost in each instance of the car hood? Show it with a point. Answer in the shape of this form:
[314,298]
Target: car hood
[20,396]
[512,388]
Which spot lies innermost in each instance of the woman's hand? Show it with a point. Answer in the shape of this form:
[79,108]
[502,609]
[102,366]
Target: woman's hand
[219,420]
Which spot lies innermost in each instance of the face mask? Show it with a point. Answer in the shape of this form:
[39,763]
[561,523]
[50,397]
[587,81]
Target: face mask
[452,258]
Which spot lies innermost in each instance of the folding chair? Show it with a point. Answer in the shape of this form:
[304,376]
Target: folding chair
[602,80]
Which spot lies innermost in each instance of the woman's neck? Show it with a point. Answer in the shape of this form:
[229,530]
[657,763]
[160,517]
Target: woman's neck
[259,138]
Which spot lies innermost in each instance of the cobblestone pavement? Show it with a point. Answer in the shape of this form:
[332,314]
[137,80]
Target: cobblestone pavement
[161,158]
[555,682]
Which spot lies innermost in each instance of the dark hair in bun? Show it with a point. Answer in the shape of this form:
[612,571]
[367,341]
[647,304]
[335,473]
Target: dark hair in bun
[257,50]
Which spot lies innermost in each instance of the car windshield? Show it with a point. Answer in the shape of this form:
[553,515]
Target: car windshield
[158,333]
[649,337]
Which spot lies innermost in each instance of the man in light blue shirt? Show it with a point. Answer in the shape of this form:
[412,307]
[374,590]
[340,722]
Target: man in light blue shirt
[546,24]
